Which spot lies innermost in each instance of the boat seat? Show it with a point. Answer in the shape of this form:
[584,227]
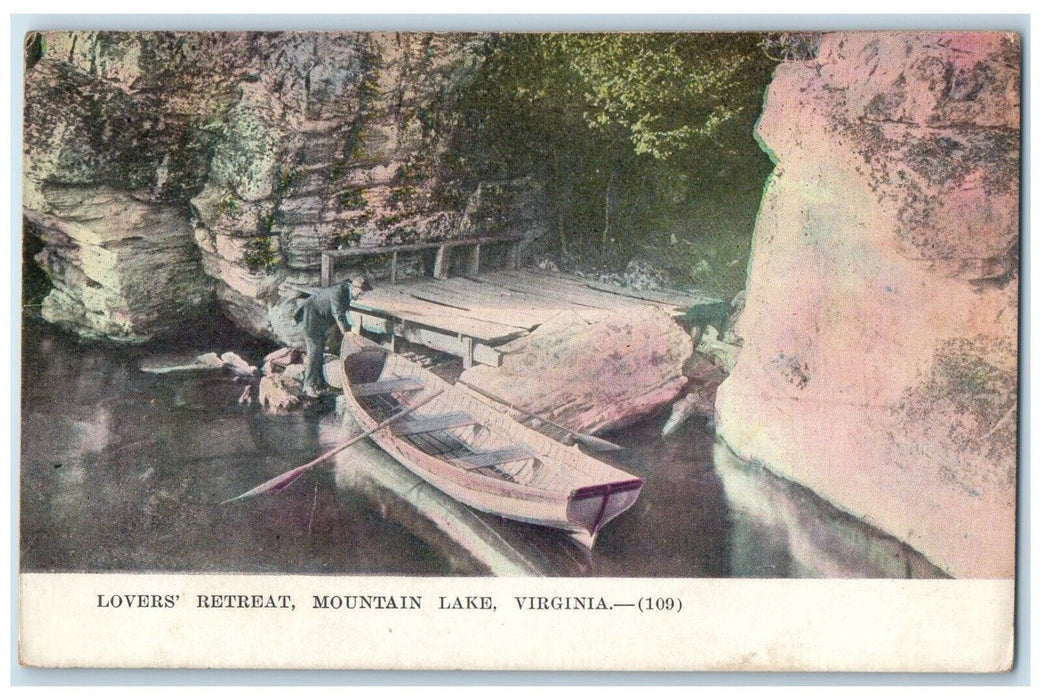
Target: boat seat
[386,386]
[478,460]
[415,425]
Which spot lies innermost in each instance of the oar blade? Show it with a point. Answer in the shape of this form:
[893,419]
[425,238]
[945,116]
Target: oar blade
[276,484]
[598,444]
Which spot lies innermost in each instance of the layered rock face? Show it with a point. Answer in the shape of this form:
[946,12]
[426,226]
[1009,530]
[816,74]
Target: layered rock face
[110,157]
[122,269]
[234,159]
[879,365]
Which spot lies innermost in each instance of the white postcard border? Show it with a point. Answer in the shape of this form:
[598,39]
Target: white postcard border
[382,623]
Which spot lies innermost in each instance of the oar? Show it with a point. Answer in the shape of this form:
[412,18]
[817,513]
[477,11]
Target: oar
[593,443]
[283,480]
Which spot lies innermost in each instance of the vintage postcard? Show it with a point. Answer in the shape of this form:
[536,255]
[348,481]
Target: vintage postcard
[520,351]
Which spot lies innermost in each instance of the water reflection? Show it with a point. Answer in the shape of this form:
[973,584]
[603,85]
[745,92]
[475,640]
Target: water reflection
[470,543]
[780,529]
[123,470]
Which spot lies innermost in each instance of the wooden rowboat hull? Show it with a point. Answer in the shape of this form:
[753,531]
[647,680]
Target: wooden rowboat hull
[477,455]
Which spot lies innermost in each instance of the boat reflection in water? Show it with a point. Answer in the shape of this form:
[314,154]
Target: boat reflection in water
[122,470]
[729,518]
[468,543]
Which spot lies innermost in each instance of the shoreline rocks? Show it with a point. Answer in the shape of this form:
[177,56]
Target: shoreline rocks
[281,388]
[596,372]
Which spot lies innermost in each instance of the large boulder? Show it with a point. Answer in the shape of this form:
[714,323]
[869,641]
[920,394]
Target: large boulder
[591,372]
[879,365]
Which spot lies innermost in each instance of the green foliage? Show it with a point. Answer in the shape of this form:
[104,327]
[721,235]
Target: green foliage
[260,255]
[286,179]
[355,145]
[671,93]
[414,170]
[403,235]
[353,199]
[390,220]
[402,196]
[337,171]
[246,152]
[267,222]
[792,46]
[370,62]
[229,205]
[348,239]
[626,132]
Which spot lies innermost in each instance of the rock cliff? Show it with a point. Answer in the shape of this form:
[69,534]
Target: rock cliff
[879,365]
[202,166]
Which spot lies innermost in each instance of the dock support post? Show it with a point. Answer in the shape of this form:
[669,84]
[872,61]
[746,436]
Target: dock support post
[475,260]
[327,269]
[468,351]
[394,267]
[441,263]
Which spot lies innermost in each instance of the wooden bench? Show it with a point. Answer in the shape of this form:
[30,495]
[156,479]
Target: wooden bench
[417,425]
[442,258]
[386,386]
[479,460]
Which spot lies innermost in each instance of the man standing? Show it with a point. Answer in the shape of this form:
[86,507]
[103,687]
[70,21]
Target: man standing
[318,313]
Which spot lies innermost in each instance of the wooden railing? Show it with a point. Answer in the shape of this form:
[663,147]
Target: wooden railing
[442,260]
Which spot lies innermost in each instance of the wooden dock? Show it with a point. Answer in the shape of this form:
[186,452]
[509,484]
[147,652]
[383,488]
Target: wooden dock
[470,316]
[468,311]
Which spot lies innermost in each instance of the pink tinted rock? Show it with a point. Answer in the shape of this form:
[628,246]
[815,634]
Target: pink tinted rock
[237,365]
[926,79]
[897,135]
[278,360]
[592,376]
[880,330]
[280,394]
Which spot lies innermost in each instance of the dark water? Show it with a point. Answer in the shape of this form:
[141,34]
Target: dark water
[125,471]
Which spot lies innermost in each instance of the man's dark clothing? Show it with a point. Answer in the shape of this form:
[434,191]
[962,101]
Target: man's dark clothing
[318,313]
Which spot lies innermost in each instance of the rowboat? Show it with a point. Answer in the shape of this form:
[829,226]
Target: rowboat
[477,454]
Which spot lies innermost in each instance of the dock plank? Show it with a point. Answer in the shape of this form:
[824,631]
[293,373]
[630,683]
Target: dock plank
[403,306]
[492,295]
[547,293]
[485,303]
[473,294]
[664,296]
[680,299]
[564,291]
[471,316]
